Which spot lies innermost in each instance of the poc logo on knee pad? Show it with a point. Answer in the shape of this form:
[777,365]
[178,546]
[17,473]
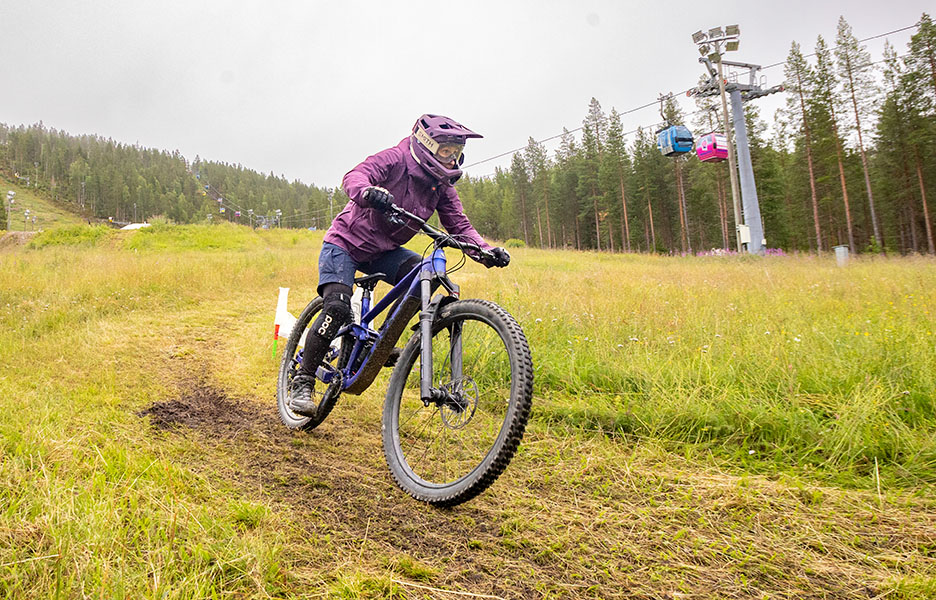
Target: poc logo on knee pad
[324,328]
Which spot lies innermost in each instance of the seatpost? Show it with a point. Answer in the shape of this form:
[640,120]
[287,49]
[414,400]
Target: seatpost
[365,303]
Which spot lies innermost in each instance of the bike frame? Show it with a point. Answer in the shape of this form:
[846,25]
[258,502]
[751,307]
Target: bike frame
[419,283]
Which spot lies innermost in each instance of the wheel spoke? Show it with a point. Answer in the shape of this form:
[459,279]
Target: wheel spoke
[326,395]
[409,418]
[426,423]
[428,447]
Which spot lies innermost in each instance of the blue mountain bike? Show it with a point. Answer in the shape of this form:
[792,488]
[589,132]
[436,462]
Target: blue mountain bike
[452,424]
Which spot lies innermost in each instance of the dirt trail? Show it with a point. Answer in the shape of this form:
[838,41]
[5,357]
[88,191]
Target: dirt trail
[588,532]
[336,473]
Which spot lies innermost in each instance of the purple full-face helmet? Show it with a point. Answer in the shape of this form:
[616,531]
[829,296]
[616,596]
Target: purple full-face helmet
[438,145]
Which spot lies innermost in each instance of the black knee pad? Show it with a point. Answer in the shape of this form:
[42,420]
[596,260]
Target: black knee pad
[335,314]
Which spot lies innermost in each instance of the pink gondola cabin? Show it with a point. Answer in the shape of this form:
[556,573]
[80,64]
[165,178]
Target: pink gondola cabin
[712,147]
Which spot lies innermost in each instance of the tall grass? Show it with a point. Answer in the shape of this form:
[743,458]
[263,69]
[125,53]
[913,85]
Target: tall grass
[766,362]
[87,340]
[761,365]
[771,362]
[72,235]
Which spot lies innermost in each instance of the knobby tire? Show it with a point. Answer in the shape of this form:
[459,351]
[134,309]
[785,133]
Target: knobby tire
[497,377]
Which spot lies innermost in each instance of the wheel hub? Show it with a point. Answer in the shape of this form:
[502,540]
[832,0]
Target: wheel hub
[459,403]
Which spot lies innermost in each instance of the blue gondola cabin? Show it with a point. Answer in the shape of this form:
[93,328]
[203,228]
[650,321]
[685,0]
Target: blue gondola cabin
[674,140]
[712,147]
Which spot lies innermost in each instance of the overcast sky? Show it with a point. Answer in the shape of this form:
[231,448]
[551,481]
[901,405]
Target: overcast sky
[307,89]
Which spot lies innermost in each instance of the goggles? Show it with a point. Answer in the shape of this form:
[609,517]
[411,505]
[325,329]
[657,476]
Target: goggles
[444,152]
[449,152]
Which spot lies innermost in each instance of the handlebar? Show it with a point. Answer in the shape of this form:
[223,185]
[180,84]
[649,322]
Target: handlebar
[441,238]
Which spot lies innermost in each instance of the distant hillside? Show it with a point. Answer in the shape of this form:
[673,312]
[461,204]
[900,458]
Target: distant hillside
[99,178]
[42,214]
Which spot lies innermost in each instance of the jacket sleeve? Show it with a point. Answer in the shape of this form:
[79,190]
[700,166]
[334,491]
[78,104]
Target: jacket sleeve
[452,216]
[375,170]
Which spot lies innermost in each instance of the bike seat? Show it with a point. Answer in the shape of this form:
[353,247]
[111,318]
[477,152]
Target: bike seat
[369,282]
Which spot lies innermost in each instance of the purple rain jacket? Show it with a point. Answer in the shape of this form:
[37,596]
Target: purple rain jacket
[365,233]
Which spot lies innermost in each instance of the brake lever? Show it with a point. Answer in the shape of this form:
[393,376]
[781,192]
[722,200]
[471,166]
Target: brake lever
[479,255]
[393,217]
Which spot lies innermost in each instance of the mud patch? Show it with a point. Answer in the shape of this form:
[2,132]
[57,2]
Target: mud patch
[203,408]
[337,471]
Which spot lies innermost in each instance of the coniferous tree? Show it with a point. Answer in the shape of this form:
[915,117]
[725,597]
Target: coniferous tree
[892,155]
[537,162]
[920,84]
[103,179]
[615,173]
[797,77]
[566,185]
[651,173]
[855,74]
[672,116]
[521,183]
[594,130]
[825,100]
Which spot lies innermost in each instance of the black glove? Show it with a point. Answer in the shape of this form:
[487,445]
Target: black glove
[499,258]
[377,198]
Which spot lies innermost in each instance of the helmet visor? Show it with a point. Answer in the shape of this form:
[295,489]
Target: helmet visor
[449,152]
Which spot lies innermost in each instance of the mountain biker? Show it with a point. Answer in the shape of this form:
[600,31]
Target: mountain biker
[418,175]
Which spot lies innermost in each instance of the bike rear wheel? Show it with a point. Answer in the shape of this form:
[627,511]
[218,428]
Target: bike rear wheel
[325,395]
[447,452]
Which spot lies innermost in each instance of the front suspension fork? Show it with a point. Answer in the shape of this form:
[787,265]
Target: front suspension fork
[428,393]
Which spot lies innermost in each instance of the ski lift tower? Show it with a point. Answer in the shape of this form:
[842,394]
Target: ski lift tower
[9,197]
[750,229]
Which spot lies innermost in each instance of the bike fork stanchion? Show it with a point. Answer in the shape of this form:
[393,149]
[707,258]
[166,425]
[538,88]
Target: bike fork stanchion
[425,331]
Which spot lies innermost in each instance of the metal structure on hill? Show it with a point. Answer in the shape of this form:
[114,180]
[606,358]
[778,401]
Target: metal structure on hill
[9,211]
[750,230]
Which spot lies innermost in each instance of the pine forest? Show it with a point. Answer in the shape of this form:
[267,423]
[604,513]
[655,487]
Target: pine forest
[850,160]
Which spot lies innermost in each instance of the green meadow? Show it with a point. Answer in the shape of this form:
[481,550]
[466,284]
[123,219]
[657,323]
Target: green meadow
[731,427]
[47,214]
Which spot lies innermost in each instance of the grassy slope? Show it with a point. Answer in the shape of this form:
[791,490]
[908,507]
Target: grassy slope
[677,449]
[48,214]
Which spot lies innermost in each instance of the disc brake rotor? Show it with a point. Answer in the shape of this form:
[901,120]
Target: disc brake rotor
[458,412]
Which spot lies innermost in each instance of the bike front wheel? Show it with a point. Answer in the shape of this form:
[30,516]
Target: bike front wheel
[448,451]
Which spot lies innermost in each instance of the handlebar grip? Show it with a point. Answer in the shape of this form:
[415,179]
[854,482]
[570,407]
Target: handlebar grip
[395,214]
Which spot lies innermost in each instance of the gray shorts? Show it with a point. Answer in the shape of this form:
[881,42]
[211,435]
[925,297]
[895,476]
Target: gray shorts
[337,266]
